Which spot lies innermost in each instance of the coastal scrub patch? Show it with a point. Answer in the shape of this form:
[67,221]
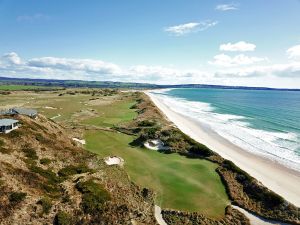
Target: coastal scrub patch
[30,153]
[45,161]
[93,196]
[62,218]
[72,170]
[46,205]
[17,197]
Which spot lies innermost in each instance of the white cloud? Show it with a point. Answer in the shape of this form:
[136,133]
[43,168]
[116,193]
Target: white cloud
[187,28]
[287,70]
[240,46]
[88,65]
[226,7]
[11,58]
[294,52]
[238,60]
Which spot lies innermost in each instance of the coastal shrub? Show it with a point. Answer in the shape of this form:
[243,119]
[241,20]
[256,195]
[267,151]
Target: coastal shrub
[260,193]
[72,170]
[45,161]
[30,153]
[48,174]
[151,132]
[62,218]
[17,197]
[146,123]
[201,150]
[93,196]
[46,205]
[242,175]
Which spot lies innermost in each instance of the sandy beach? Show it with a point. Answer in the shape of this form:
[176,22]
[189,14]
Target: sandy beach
[276,177]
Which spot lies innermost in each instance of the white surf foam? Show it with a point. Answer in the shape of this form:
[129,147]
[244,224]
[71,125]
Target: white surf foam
[278,146]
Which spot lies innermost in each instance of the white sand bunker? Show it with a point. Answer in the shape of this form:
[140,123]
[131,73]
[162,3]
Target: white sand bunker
[114,160]
[155,144]
[79,140]
[49,107]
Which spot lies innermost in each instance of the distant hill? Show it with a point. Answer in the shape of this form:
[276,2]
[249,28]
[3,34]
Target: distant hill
[112,84]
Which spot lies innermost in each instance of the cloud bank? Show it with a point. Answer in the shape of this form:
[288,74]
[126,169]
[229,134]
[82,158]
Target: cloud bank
[232,72]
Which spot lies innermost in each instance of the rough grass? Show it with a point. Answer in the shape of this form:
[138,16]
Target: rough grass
[93,196]
[181,183]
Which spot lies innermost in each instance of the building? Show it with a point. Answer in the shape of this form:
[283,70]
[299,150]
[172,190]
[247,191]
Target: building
[7,125]
[20,111]
[27,112]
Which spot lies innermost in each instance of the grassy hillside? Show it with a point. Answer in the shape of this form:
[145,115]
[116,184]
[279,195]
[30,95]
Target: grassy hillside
[45,178]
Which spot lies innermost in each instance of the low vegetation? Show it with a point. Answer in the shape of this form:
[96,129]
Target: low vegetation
[93,196]
[62,218]
[45,161]
[72,170]
[46,205]
[30,153]
[17,197]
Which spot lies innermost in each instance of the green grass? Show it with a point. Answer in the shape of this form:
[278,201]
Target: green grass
[112,114]
[181,183]
[20,87]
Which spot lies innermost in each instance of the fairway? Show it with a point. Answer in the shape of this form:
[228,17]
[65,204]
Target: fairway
[113,113]
[181,183]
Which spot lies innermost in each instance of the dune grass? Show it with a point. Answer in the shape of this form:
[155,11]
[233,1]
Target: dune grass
[181,183]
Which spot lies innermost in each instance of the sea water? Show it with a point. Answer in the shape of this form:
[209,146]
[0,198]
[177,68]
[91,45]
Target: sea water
[264,122]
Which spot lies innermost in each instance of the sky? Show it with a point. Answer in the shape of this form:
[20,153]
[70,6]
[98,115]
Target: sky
[242,42]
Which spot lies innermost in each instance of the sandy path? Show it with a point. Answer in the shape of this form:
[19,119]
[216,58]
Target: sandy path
[283,181]
[256,220]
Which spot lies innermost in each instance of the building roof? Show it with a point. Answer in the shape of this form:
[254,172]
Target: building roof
[7,122]
[23,111]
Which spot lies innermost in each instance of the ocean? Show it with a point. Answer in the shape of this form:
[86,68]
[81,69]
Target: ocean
[264,122]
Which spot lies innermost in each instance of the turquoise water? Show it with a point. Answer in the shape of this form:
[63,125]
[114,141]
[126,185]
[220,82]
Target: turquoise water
[265,122]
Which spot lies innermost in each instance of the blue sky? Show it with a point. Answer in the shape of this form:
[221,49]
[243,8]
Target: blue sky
[157,41]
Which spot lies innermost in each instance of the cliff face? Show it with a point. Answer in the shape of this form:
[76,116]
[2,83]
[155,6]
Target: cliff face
[46,179]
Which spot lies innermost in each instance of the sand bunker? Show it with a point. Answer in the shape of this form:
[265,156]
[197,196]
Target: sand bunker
[49,107]
[155,145]
[114,160]
[79,140]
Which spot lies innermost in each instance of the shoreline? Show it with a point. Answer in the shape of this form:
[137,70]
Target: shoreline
[276,177]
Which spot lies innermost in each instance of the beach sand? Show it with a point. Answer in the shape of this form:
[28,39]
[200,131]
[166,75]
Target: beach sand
[276,177]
